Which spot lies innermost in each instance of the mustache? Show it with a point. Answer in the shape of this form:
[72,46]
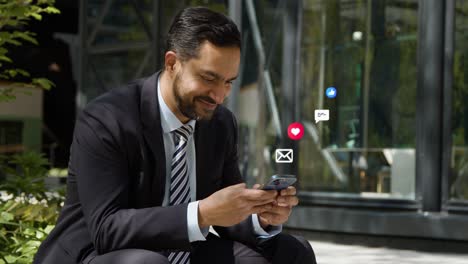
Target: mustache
[206,99]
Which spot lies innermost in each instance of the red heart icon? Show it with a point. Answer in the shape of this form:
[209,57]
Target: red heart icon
[295,131]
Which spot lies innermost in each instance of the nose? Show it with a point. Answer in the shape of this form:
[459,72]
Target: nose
[218,95]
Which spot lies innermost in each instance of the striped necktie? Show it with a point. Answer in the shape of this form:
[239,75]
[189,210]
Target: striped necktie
[180,185]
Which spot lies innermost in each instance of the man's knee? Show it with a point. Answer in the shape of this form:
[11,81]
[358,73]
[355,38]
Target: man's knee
[298,246]
[150,257]
[305,243]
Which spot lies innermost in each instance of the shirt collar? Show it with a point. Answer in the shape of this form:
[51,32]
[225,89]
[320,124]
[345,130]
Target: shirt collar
[169,122]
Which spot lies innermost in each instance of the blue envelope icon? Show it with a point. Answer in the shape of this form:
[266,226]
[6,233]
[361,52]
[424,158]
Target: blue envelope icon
[284,155]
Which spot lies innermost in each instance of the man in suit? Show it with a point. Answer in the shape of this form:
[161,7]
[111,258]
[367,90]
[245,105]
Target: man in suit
[154,165]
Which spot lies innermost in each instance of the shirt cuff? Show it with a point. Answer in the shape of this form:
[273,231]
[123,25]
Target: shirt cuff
[260,232]
[195,233]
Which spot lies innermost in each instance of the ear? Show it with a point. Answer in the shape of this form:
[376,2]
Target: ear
[170,60]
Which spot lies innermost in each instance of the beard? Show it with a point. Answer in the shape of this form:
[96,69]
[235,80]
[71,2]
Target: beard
[186,104]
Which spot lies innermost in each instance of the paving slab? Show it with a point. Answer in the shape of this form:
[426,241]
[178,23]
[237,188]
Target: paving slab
[331,253]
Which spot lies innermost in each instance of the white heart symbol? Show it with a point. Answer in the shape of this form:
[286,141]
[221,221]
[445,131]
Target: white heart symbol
[295,131]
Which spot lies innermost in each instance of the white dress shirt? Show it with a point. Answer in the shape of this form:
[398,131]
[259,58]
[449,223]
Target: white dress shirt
[169,123]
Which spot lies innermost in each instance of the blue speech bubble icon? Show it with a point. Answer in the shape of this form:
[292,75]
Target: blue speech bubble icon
[331,92]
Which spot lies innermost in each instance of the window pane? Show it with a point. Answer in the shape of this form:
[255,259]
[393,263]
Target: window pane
[260,90]
[367,51]
[459,163]
[119,41]
[123,21]
[10,132]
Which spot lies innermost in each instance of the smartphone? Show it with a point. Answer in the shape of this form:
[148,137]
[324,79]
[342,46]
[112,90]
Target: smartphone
[279,182]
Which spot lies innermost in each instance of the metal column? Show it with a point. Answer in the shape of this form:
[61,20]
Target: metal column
[429,104]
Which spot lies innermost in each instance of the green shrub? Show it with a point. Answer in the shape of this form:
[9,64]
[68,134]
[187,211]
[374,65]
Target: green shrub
[28,212]
[25,173]
[23,226]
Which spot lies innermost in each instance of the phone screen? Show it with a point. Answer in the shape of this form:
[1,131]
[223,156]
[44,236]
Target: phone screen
[279,182]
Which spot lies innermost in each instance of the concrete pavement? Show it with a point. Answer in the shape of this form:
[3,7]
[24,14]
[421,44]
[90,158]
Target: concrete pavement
[331,253]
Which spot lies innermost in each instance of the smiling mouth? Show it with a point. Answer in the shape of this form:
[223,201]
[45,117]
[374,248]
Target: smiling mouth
[207,105]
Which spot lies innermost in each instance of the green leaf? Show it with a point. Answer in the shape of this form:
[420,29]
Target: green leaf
[18,11]
[39,235]
[43,82]
[13,41]
[36,16]
[5,58]
[6,216]
[27,36]
[12,73]
[11,259]
[52,10]
[49,228]
[23,72]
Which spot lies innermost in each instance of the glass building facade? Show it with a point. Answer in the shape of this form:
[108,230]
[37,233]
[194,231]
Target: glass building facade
[392,159]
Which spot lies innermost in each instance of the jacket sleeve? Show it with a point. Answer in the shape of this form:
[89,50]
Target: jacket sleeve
[99,163]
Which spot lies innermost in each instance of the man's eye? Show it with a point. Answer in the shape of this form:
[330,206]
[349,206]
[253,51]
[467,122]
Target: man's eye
[206,78]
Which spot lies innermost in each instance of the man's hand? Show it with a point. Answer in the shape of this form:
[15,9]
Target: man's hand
[281,208]
[233,204]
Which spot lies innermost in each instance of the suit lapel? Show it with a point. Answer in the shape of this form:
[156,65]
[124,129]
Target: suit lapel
[153,137]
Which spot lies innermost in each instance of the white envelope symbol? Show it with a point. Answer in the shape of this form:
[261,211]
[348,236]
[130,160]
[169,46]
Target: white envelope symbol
[284,155]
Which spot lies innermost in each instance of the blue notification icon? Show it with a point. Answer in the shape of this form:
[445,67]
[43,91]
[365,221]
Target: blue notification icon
[331,92]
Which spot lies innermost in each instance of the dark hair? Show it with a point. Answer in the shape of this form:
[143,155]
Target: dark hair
[194,25]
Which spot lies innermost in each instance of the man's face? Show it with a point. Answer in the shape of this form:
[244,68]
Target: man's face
[204,82]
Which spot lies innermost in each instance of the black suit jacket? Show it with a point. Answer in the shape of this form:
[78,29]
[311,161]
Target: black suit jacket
[117,177]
